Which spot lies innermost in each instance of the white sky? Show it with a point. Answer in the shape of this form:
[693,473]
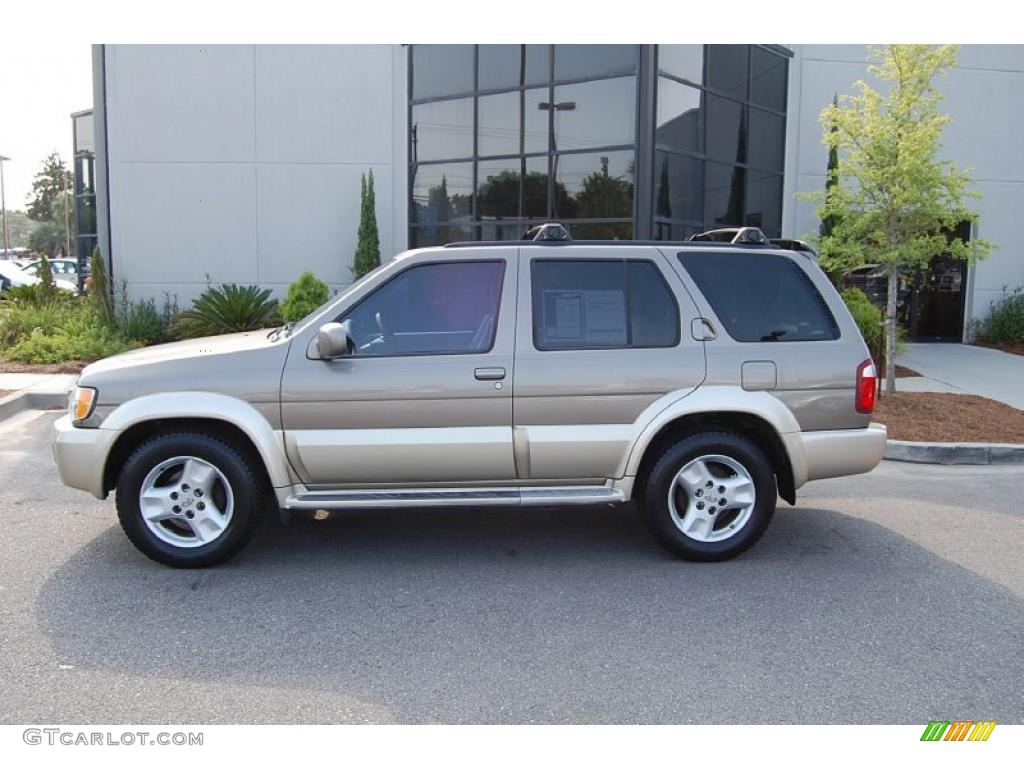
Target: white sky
[40,86]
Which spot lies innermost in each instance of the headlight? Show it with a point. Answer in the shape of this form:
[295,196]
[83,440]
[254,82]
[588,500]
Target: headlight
[82,401]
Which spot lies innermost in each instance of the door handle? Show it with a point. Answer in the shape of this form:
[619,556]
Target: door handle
[489,374]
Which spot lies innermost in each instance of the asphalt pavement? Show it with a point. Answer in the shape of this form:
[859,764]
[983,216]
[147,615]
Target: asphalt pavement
[894,597]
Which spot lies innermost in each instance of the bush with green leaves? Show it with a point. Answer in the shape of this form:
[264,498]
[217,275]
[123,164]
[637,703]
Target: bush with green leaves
[90,341]
[99,288]
[869,320]
[1005,321]
[304,295]
[228,308]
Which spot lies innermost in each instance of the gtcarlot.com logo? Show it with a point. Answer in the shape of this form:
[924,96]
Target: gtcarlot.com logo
[958,730]
[70,738]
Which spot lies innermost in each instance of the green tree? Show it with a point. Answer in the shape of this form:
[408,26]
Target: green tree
[898,204]
[51,183]
[367,256]
[45,275]
[47,237]
[100,295]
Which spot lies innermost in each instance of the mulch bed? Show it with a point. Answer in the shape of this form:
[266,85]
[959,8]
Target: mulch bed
[902,372]
[1014,348]
[72,366]
[936,417]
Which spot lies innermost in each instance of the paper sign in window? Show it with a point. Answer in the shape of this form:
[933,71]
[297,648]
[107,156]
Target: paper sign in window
[585,318]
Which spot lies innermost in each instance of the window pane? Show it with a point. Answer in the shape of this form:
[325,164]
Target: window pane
[653,312]
[499,123]
[726,128]
[438,234]
[592,186]
[685,61]
[727,69]
[502,195]
[761,297]
[430,309]
[504,230]
[763,207]
[723,195]
[680,120]
[670,230]
[767,140]
[768,74]
[441,70]
[601,230]
[575,62]
[442,193]
[594,114]
[502,66]
[679,189]
[442,130]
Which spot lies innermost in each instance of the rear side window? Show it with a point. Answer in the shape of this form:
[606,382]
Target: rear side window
[761,296]
[601,303]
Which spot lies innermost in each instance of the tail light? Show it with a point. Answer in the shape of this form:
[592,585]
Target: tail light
[867,387]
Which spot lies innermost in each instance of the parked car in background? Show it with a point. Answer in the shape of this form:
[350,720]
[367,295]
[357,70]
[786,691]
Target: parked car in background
[65,272]
[16,277]
[701,380]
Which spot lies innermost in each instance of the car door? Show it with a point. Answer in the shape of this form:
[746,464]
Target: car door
[600,338]
[426,396]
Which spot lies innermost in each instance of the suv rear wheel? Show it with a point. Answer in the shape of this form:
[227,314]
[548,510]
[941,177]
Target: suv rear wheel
[710,496]
[188,499]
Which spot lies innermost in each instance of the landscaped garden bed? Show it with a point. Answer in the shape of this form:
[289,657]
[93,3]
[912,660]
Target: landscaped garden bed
[935,417]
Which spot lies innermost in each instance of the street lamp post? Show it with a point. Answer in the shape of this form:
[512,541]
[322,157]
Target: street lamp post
[3,202]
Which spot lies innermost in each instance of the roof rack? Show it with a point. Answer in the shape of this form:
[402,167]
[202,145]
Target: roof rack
[733,235]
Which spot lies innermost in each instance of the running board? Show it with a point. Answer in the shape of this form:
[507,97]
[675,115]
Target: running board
[542,496]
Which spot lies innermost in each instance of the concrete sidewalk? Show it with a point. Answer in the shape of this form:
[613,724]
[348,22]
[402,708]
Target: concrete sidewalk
[964,369]
[34,390]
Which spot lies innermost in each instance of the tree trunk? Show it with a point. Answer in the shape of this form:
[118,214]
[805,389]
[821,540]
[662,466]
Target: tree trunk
[893,274]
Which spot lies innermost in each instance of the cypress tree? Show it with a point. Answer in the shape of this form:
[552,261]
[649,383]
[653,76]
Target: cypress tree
[367,256]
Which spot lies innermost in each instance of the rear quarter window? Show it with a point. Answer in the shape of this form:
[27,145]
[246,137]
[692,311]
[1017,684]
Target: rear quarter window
[761,296]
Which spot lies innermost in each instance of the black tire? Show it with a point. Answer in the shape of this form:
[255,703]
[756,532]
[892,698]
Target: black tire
[659,482]
[246,488]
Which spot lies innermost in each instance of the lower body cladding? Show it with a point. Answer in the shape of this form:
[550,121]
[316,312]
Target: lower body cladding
[457,497]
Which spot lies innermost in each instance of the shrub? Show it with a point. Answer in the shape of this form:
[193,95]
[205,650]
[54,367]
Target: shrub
[1005,321]
[99,289]
[229,308]
[869,320]
[45,274]
[97,341]
[304,295]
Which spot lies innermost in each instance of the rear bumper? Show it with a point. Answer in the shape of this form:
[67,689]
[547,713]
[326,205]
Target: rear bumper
[835,452]
[81,455]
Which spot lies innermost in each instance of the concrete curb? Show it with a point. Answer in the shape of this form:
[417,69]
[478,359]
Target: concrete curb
[22,401]
[954,453]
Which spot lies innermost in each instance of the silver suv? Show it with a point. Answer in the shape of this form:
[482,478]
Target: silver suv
[700,380]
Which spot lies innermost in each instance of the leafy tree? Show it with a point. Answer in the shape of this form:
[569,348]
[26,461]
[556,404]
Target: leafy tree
[828,223]
[50,184]
[47,237]
[367,256]
[304,295]
[898,203]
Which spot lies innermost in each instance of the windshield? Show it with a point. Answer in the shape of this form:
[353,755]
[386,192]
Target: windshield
[301,323]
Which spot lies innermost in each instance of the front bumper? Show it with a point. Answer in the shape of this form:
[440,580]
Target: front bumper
[835,452]
[81,455]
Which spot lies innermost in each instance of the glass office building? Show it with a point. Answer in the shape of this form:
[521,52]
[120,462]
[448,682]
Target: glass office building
[615,141]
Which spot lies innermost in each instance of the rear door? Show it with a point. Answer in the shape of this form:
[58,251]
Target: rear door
[600,338]
[426,397]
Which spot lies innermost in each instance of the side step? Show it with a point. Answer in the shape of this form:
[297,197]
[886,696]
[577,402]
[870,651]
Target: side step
[542,496]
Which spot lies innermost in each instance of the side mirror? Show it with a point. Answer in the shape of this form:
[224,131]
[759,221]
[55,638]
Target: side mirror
[332,341]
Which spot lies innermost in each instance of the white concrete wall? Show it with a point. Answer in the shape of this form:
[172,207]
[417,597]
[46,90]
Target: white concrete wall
[981,97]
[243,162]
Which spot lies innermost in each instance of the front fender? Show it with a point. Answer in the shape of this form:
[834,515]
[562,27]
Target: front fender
[207,405]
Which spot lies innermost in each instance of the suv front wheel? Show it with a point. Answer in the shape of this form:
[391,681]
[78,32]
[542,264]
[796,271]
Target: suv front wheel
[710,496]
[188,499]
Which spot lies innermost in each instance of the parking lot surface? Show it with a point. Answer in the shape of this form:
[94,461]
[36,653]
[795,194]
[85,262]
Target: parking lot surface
[894,597]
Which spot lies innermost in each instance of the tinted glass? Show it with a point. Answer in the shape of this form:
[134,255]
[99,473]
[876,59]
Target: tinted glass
[686,61]
[576,62]
[505,193]
[723,195]
[441,70]
[449,308]
[763,204]
[768,74]
[680,122]
[442,192]
[767,140]
[438,234]
[504,66]
[727,69]
[726,132]
[592,304]
[761,297]
[670,230]
[499,130]
[594,185]
[602,230]
[443,130]
[596,114]
[679,187]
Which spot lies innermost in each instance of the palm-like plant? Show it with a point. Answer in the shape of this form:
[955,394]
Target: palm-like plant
[227,308]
